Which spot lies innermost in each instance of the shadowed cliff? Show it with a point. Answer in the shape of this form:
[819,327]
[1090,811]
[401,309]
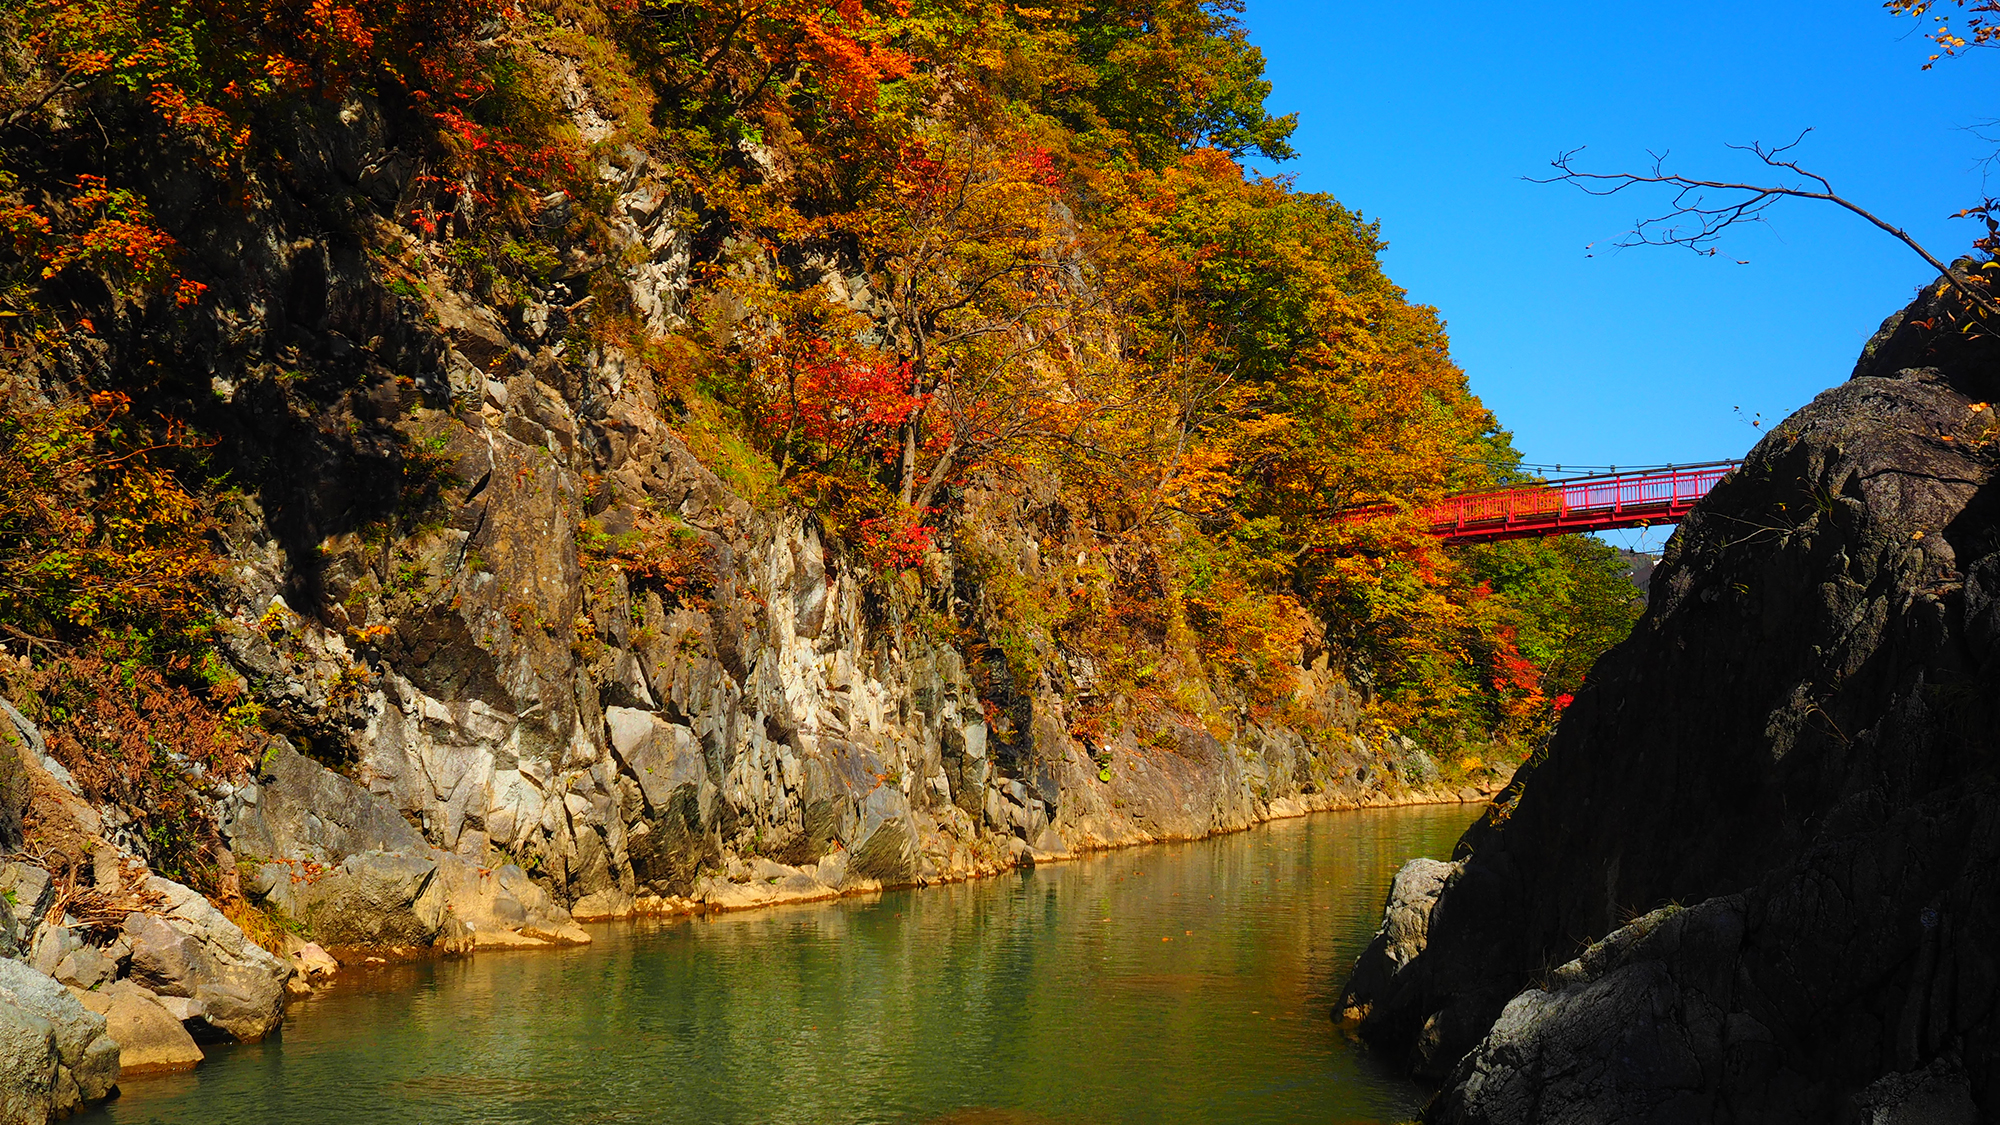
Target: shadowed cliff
[1752,877]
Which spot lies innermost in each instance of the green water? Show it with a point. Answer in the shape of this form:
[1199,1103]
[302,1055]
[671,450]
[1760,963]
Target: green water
[1182,983]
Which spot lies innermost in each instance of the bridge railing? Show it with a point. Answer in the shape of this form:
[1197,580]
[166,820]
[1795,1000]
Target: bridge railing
[1606,494]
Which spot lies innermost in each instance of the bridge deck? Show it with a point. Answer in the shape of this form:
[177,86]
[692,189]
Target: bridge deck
[1561,507]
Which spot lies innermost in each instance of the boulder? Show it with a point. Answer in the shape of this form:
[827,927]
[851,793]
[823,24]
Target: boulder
[546,918]
[1406,919]
[51,946]
[241,998]
[191,950]
[151,1039]
[308,959]
[54,1053]
[86,966]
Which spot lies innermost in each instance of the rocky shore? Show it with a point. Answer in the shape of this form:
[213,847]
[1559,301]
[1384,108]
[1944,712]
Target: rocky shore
[1753,877]
[131,974]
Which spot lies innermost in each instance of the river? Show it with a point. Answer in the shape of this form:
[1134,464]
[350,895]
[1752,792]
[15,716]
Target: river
[1152,986]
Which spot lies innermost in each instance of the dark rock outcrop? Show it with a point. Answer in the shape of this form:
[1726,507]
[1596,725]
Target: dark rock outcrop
[1798,746]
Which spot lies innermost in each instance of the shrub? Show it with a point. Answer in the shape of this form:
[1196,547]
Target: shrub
[96,540]
[152,747]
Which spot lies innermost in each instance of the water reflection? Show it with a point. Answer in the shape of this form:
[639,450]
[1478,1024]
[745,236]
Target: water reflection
[1188,983]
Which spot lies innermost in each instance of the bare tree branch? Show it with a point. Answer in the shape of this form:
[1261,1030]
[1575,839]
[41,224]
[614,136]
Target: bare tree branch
[1696,221]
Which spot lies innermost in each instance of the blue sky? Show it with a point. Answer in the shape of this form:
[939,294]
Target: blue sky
[1427,118]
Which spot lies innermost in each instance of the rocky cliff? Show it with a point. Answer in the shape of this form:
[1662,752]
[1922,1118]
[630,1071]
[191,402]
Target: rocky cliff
[486,722]
[785,723]
[1752,878]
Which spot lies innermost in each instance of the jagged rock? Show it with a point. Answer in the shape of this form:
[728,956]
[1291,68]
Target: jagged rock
[304,811]
[662,757]
[372,898]
[490,903]
[884,846]
[1636,1029]
[151,1039]
[54,1053]
[1824,633]
[1406,920]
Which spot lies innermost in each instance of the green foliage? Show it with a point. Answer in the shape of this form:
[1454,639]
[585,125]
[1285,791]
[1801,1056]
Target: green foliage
[1174,77]
[660,554]
[97,540]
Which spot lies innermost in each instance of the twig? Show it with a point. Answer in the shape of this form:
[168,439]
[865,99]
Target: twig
[1690,203]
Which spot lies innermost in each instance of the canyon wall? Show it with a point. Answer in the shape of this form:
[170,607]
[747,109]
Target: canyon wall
[1752,877]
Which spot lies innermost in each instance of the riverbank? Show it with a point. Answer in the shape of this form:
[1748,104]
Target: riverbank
[1044,998]
[760,883]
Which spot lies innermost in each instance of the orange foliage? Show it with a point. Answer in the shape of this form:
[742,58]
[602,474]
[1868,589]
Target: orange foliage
[94,537]
[1981,28]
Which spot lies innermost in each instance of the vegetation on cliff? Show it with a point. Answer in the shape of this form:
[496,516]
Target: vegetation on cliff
[937,252]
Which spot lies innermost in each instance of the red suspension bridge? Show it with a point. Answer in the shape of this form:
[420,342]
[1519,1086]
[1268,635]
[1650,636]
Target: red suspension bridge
[1602,502]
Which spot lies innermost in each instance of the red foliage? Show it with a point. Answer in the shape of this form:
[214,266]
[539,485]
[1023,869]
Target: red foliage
[846,405]
[892,543]
[850,70]
[1040,167]
[101,228]
[1516,679]
[494,167]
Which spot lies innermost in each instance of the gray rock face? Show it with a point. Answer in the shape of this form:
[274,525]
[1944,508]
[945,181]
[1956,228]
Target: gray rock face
[54,1053]
[305,811]
[343,863]
[1796,742]
[372,898]
[662,757]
